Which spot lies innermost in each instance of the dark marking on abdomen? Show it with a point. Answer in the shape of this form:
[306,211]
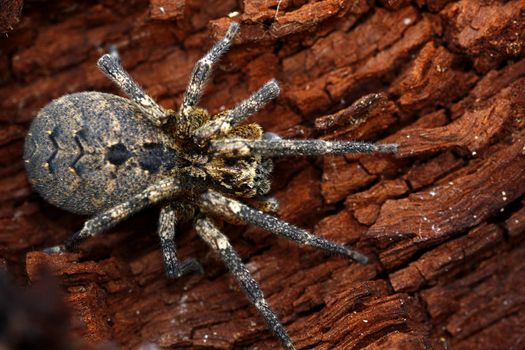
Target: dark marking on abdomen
[53,137]
[79,135]
[118,154]
[153,156]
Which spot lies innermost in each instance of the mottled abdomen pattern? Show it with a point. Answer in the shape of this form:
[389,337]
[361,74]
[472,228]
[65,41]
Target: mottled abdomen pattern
[89,151]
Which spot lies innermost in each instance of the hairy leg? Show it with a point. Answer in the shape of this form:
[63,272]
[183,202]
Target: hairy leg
[170,215]
[219,242]
[217,204]
[200,74]
[110,65]
[271,148]
[246,108]
[156,193]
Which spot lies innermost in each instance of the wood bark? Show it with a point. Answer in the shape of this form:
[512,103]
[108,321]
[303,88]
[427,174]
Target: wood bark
[443,220]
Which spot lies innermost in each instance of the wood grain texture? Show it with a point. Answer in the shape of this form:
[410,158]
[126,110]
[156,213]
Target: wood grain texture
[443,220]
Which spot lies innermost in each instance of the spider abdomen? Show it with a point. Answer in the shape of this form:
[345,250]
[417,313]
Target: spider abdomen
[88,151]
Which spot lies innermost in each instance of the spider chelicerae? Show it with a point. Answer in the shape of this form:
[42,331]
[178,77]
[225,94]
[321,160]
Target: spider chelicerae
[102,155]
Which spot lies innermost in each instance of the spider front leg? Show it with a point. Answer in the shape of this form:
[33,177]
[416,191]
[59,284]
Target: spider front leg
[169,217]
[219,242]
[277,147]
[110,65]
[200,74]
[156,193]
[219,205]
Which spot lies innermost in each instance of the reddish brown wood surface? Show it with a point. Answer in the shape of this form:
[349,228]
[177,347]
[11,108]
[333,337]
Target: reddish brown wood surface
[443,220]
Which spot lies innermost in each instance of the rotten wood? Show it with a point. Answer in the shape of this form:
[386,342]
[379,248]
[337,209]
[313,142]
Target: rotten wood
[443,220]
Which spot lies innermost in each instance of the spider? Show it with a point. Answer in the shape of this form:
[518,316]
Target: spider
[109,157]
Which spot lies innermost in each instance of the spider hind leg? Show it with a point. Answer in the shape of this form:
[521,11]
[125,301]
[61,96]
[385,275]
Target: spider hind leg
[155,193]
[110,65]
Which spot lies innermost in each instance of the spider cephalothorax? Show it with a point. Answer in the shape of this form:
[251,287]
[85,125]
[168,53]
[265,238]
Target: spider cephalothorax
[102,155]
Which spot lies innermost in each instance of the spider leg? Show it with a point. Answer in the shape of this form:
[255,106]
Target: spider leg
[276,147]
[217,204]
[169,217]
[219,242]
[200,74]
[156,193]
[110,65]
[251,105]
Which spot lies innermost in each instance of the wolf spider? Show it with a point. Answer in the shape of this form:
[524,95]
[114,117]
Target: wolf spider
[109,157]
